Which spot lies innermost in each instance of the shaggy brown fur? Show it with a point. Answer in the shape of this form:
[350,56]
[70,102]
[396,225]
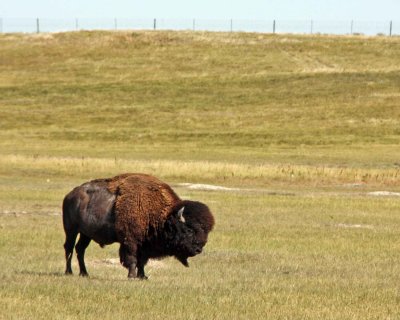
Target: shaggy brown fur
[142,205]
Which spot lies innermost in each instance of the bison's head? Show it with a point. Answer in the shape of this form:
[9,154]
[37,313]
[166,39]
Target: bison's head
[187,230]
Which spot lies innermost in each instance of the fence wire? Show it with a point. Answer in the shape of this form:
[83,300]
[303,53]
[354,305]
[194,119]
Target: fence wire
[33,25]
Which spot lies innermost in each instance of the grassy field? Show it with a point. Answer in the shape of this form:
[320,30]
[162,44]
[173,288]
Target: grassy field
[301,130]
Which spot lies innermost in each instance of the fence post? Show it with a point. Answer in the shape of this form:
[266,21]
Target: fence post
[37,25]
[231,25]
[351,27]
[1,25]
[76,24]
[155,24]
[312,25]
[391,28]
[194,24]
[115,24]
[273,27]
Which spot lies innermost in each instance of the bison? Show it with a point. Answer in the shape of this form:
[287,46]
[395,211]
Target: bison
[141,213]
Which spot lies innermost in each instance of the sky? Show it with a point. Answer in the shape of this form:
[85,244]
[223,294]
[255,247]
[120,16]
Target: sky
[368,10]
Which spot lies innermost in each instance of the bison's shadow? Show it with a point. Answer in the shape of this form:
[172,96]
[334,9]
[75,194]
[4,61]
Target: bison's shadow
[63,275]
[41,273]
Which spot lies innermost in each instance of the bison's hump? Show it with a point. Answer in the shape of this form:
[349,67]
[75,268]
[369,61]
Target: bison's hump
[143,203]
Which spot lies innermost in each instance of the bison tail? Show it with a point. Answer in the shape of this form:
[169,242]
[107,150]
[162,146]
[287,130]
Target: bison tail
[70,211]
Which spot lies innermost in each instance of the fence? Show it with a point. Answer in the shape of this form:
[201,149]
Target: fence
[11,25]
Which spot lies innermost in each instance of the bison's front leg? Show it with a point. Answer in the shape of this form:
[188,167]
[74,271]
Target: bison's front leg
[141,262]
[132,270]
[127,256]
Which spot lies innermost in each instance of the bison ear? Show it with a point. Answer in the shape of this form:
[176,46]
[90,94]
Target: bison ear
[180,215]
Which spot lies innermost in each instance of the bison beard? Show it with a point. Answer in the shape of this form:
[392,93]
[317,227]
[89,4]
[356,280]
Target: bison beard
[140,212]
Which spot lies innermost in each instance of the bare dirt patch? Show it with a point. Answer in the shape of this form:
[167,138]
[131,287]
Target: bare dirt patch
[384,194]
[354,226]
[154,264]
[207,187]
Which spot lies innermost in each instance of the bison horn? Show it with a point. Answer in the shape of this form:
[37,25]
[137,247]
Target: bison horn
[180,215]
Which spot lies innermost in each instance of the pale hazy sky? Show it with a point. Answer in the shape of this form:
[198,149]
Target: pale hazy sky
[213,9]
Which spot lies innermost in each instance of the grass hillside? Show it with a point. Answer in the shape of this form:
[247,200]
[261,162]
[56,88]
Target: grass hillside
[205,96]
[302,131]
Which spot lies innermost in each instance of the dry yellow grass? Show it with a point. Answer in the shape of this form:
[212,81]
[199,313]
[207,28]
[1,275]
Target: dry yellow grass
[216,171]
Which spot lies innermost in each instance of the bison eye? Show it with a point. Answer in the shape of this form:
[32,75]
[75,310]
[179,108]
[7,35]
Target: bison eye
[189,232]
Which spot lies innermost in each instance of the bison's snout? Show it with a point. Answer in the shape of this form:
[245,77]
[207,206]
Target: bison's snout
[198,250]
[193,251]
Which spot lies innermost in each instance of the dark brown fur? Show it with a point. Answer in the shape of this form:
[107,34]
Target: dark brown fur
[140,212]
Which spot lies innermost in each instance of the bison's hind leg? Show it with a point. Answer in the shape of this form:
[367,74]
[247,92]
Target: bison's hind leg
[80,252]
[70,238]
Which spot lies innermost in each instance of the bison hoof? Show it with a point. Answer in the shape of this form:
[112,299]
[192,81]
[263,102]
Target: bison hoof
[84,274]
[137,277]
